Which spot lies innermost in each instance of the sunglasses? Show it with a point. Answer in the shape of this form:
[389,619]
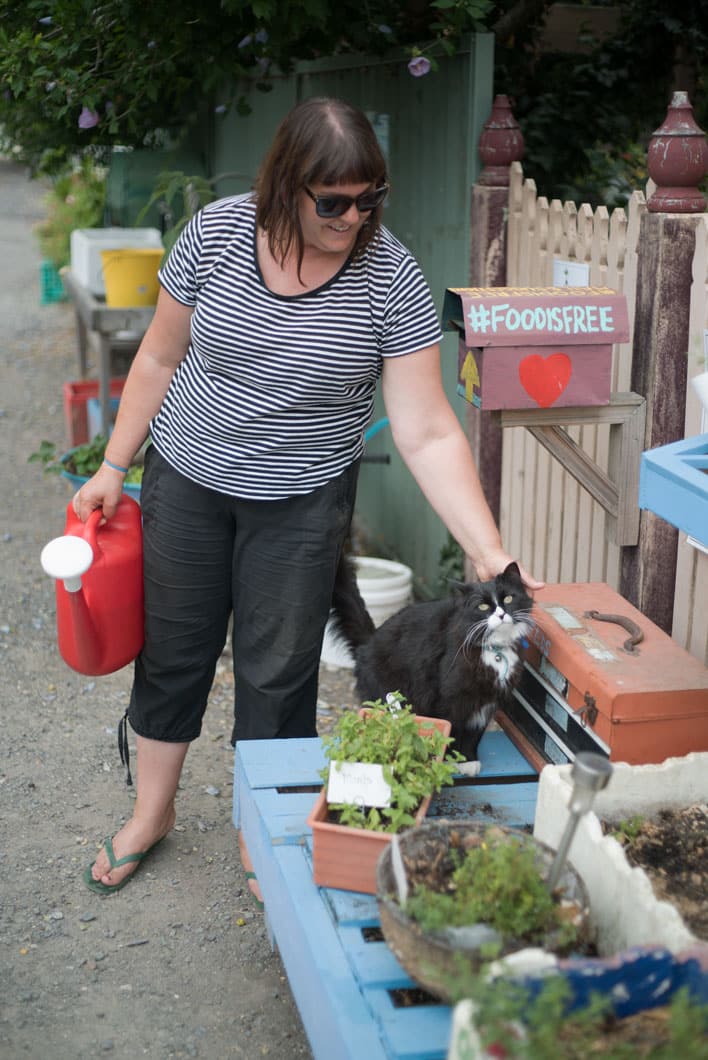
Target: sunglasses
[337,205]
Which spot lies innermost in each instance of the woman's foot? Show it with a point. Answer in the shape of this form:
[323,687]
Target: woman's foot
[135,837]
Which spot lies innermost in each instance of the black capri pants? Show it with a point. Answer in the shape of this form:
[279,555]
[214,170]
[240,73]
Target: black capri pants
[273,564]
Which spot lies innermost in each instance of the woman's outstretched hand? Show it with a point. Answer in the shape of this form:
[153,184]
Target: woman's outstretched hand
[494,562]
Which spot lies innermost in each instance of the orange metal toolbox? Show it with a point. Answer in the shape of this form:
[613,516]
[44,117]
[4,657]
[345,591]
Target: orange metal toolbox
[601,677]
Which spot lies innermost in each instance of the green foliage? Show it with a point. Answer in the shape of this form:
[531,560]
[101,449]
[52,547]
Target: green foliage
[498,883]
[75,201]
[627,830]
[451,566]
[514,1023]
[75,74]
[179,197]
[83,460]
[587,118]
[410,753]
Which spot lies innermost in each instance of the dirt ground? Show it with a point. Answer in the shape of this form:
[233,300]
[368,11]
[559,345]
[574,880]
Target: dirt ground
[177,964]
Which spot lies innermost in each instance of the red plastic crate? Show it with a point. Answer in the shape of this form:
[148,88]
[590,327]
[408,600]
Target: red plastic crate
[76,396]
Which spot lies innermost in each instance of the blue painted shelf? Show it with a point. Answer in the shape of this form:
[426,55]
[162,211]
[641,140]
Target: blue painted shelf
[673,483]
[346,982]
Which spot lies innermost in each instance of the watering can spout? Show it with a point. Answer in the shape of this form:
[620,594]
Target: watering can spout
[67,558]
[99,590]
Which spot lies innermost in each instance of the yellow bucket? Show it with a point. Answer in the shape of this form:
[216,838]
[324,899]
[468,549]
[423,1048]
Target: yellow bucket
[130,276]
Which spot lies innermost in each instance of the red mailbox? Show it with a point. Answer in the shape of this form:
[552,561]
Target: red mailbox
[534,347]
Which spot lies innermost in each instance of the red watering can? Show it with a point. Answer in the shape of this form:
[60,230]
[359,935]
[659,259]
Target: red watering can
[99,588]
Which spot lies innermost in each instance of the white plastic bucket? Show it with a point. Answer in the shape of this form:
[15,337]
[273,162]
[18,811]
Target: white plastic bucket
[386,587]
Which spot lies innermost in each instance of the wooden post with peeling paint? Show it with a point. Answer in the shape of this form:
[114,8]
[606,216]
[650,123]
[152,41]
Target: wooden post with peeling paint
[677,162]
[501,143]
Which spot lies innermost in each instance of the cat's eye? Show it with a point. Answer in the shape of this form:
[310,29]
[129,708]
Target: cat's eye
[508,599]
[484,607]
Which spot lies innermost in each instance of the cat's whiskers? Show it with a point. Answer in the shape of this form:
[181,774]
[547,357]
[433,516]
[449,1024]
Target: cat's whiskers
[472,637]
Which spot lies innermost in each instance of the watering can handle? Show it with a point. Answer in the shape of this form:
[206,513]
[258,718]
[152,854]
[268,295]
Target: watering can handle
[91,528]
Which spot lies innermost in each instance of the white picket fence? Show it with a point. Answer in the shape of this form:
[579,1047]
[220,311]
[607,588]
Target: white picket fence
[552,524]
[690,622]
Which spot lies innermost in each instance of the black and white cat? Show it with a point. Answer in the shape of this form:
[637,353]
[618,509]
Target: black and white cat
[456,658]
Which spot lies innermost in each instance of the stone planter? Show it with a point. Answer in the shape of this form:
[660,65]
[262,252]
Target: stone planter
[435,959]
[623,906]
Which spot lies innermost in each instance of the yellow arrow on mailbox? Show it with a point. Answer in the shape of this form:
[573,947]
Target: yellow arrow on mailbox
[469,375]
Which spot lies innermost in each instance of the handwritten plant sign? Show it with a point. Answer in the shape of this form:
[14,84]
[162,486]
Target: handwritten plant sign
[535,347]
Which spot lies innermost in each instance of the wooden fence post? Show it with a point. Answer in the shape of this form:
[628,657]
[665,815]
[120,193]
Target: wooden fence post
[677,162]
[501,143]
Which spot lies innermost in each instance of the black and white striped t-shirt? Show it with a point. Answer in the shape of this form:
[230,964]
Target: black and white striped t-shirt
[275,392]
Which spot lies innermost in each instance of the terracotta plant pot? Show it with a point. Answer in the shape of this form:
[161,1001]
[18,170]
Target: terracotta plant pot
[346,857]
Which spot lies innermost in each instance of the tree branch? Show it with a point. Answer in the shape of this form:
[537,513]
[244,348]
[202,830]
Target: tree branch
[524,13]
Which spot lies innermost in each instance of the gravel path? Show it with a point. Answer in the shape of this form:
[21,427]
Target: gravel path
[178,963]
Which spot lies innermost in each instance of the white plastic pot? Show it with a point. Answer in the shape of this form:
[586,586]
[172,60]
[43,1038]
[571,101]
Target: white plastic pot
[386,586]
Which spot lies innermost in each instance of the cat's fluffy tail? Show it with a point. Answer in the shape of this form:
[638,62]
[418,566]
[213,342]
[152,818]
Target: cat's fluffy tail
[349,620]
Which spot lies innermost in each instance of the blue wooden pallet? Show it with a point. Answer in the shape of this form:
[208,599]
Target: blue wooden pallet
[344,978]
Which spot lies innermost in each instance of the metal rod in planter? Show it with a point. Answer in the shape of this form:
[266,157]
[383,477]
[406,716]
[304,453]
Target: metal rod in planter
[590,774]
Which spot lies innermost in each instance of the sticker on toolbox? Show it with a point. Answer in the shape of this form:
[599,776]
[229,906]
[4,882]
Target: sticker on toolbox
[595,648]
[564,617]
[554,677]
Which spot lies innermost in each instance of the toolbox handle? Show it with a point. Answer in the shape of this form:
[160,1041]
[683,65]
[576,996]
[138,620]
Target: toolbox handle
[636,635]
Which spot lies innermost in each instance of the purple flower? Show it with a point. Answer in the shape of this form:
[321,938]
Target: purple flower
[383,28]
[245,41]
[419,66]
[88,118]
[220,108]
[151,44]
[262,36]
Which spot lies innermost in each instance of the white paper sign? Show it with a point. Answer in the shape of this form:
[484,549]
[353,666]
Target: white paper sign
[358,784]
[571,274]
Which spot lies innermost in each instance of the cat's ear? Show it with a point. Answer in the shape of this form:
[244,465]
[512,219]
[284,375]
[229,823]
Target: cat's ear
[457,587]
[513,568]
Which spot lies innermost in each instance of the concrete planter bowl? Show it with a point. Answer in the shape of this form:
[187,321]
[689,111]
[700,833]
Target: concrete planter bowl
[436,958]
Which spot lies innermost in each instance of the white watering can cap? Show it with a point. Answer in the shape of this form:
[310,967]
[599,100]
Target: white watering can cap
[67,558]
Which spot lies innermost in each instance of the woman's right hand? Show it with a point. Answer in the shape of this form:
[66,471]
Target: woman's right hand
[103,490]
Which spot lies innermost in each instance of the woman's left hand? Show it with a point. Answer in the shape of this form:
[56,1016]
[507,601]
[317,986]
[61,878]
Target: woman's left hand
[494,562]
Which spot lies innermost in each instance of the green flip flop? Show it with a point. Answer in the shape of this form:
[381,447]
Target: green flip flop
[110,888]
[258,901]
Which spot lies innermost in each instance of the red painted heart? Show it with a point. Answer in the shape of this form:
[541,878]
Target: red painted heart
[545,378]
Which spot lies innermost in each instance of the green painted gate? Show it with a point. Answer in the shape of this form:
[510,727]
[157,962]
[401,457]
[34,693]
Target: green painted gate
[429,128]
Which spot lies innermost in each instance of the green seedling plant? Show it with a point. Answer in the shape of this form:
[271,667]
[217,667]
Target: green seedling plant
[84,460]
[626,831]
[410,753]
[497,882]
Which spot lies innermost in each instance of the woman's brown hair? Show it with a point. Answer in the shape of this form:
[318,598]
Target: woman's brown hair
[321,141]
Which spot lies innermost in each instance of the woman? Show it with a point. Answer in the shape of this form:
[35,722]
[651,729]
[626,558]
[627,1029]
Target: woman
[256,378]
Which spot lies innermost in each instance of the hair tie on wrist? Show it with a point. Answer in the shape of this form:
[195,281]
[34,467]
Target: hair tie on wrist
[116,467]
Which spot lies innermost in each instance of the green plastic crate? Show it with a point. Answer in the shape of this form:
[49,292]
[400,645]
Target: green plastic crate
[51,287]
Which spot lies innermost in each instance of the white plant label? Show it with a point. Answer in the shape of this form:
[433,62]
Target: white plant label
[358,784]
